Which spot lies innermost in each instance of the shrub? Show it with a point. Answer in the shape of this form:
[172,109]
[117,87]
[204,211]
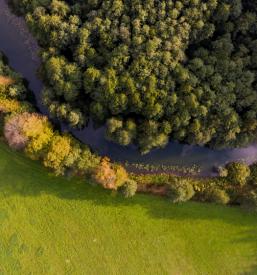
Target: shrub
[28,129]
[109,175]
[238,173]
[9,105]
[216,195]
[223,172]
[180,190]
[253,175]
[62,153]
[156,179]
[13,131]
[249,200]
[39,131]
[87,161]
[129,188]
[121,175]
[105,175]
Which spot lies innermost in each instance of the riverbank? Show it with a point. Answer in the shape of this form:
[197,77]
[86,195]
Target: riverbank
[37,137]
[21,48]
[83,229]
[34,135]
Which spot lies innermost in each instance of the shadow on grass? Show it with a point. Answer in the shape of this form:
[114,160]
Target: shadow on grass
[20,176]
[250,236]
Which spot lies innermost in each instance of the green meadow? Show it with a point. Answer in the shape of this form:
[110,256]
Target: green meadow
[51,225]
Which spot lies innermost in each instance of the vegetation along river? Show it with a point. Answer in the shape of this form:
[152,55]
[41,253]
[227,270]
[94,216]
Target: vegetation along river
[21,49]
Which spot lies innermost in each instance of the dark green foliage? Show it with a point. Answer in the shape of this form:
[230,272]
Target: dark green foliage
[180,190]
[151,69]
[24,6]
[129,188]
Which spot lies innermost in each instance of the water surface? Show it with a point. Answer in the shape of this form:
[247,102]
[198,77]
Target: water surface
[22,51]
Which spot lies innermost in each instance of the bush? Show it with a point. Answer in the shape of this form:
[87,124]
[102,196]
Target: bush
[105,175]
[238,173]
[13,131]
[121,175]
[216,195]
[223,172]
[1,125]
[253,175]
[62,153]
[249,200]
[87,161]
[180,190]
[156,179]
[129,188]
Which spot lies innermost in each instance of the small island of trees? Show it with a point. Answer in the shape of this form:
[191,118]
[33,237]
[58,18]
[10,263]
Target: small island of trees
[150,70]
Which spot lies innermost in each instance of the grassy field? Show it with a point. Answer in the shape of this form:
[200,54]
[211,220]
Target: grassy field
[58,226]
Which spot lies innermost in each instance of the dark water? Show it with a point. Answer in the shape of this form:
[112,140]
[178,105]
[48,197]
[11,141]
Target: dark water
[21,49]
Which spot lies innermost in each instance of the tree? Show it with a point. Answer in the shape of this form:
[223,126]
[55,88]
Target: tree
[189,67]
[65,77]
[129,188]
[39,132]
[105,175]
[13,132]
[61,154]
[216,195]
[238,173]
[253,174]
[110,176]
[87,161]
[180,190]
[121,175]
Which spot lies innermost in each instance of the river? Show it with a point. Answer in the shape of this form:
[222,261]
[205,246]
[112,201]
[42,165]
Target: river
[21,49]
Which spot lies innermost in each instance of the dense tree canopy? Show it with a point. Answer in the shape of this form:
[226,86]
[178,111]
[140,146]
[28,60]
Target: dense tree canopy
[151,70]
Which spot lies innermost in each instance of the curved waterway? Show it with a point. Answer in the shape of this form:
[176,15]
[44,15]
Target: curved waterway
[21,49]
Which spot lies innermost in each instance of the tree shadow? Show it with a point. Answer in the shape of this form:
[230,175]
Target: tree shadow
[29,178]
[250,236]
[20,176]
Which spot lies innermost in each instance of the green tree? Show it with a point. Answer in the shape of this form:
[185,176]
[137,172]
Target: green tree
[180,190]
[238,173]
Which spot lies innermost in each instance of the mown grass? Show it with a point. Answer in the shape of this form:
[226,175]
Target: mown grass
[52,225]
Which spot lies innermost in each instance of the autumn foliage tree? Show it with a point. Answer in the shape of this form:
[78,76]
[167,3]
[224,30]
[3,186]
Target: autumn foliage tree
[34,134]
[105,175]
[110,176]
[13,131]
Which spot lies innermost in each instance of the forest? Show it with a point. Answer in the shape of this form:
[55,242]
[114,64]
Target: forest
[31,133]
[150,70]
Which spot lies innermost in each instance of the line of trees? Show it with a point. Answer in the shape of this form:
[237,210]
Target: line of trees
[236,184]
[33,134]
